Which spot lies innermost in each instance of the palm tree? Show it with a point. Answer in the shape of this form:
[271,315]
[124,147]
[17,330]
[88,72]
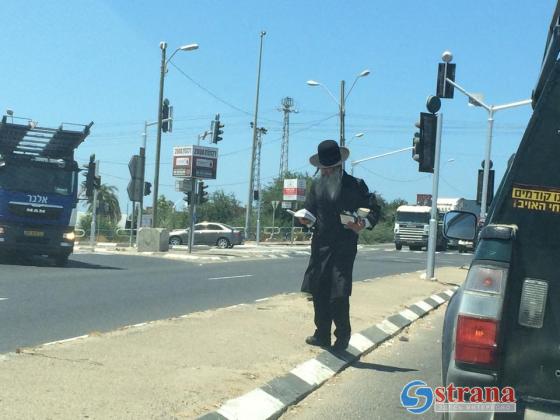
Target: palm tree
[107,203]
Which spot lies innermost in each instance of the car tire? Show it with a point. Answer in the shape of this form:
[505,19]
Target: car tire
[61,260]
[222,243]
[398,247]
[175,240]
[231,246]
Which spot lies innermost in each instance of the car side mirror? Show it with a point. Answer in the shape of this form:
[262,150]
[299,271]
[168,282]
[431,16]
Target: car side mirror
[459,225]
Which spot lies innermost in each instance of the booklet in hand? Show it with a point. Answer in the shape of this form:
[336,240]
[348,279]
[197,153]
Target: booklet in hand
[303,214]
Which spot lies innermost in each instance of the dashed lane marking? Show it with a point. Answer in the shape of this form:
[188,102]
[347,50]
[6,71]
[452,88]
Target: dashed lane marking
[230,277]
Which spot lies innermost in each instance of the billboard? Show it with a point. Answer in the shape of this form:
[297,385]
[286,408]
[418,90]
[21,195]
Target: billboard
[294,190]
[195,161]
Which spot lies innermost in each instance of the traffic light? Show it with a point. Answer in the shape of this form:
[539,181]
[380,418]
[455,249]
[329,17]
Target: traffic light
[417,144]
[90,177]
[147,188]
[202,194]
[424,142]
[490,190]
[188,197]
[166,117]
[216,130]
[444,89]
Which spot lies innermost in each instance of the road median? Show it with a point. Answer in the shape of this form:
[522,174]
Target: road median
[194,364]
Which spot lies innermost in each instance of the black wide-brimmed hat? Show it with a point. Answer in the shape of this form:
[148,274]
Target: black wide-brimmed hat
[329,154]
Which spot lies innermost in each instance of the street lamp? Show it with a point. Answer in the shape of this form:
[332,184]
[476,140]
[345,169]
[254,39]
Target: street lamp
[356,136]
[164,62]
[342,103]
[475,99]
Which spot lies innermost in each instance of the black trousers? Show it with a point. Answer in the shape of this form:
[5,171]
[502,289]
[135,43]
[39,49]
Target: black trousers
[329,310]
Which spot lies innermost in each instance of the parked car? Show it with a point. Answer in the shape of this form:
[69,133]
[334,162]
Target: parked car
[502,326]
[464,246]
[208,233]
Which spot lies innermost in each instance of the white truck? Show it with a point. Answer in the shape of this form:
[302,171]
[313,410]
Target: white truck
[412,228]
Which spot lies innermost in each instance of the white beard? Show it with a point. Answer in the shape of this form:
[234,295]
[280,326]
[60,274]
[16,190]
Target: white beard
[328,186]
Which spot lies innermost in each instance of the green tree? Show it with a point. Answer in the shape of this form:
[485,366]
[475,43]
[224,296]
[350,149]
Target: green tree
[221,207]
[169,216]
[274,192]
[107,203]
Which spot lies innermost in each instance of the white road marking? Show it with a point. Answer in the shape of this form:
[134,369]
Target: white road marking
[408,314]
[313,372]
[230,277]
[360,342]
[256,404]
[387,327]
[3,298]
[424,306]
[437,299]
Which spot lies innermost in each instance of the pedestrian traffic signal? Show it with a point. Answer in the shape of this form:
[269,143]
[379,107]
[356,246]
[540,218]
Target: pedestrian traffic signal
[490,188]
[147,188]
[202,194]
[166,117]
[217,130]
[424,142]
[417,145]
[90,177]
[444,89]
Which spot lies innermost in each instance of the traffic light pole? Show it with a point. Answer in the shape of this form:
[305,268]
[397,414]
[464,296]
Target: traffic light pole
[93,226]
[433,217]
[192,213]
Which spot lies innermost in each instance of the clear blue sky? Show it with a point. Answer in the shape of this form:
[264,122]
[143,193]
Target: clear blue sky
[78,61]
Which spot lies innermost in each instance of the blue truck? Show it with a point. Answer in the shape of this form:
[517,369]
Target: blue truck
[38,188]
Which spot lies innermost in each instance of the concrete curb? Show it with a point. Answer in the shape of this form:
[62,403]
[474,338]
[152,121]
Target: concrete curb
[273,398]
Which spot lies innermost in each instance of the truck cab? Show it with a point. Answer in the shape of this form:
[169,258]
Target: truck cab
[38,189]
[412,228]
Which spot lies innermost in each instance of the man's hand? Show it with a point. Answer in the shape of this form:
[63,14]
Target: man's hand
[358,226]
[304,221]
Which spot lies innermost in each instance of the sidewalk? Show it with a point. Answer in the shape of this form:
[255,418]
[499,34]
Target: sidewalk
[188,366]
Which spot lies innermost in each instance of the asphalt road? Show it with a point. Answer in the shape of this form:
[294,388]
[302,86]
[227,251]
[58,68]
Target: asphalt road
[371,388]
[40,303]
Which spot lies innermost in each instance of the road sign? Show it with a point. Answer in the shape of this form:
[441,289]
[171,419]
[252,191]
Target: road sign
[294,189]
[183,185]
[424,199]
[135,187]
[286,204]
[274,204]
[195,161]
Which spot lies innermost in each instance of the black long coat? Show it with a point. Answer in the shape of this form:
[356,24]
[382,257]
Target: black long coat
[334,247]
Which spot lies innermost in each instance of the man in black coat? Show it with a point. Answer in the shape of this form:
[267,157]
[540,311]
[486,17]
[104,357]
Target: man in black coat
[334,245]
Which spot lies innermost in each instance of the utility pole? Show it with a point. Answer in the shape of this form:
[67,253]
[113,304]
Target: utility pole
[287,108]
[342,114]
[163,46]
[249,208]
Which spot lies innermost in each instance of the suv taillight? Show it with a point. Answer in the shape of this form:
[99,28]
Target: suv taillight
[480,313]
[476,340]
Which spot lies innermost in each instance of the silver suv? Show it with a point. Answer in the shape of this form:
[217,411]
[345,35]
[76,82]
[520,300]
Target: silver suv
[208,233]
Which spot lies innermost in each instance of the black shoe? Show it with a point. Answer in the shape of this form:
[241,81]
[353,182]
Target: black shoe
[340,345]
[314,341]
